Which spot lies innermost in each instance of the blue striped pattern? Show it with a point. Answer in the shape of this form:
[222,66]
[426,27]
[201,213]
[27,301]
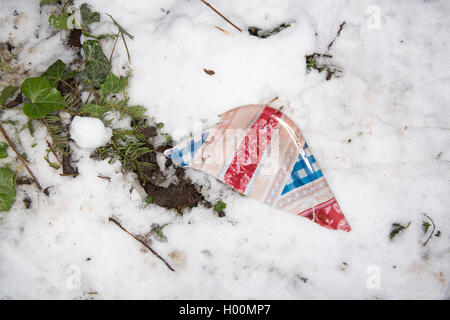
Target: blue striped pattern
[301,173]
[183,156]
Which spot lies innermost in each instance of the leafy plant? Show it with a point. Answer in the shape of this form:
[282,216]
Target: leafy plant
[7,188]
[94,110]
[220,206]
[396,228]
[425,226]
[113,84]
[57,72]
[159,233]
[6,94]
[129,146]
[59,137]
[3,150]
[97,66]
[44,98]
[149,199]
[121,29]
[87,15]
[59,22]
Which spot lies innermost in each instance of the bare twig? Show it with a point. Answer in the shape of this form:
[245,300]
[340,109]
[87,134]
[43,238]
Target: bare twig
[24,162]
[126,47]
[337,34]
[219,28]
[221,15]
[143,242]
[273,100]
[432,232]
[114,47]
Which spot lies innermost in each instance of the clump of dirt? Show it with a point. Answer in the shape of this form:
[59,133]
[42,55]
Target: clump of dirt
[179,196]
[175,196]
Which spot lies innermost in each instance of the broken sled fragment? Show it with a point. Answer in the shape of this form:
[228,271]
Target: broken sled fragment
[260,152]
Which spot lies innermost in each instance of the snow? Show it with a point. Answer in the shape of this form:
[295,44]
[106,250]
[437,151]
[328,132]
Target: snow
[89,133]
[392,102]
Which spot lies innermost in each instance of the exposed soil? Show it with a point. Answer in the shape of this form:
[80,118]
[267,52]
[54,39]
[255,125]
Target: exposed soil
[179,196]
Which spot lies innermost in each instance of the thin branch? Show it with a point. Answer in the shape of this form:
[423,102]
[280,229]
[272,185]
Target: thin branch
[432,232]
[337,34]
[273,100]
[221,15]
[24,162]
[219,28]
[114,47]
[143,242]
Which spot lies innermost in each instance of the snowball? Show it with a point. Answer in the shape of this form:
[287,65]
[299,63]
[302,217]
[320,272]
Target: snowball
[89,133]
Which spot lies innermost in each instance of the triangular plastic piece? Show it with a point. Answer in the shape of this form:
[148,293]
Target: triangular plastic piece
[260,152]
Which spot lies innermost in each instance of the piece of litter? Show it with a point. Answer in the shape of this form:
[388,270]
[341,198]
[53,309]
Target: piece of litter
[260,152]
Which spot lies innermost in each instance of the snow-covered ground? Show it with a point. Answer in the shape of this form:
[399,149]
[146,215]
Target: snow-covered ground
[392,102]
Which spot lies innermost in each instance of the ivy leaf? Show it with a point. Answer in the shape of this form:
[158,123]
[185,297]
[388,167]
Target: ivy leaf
[59,22]
[97,65]
[7,188]
[113,84]
[94,110]
[55,72]
[3,150]
[87,15]
[121,29]
[44,98]
[83,77]
[7,93]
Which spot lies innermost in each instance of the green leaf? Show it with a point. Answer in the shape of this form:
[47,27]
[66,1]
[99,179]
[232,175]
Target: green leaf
[44,98]
[7,188]
[97,65]
[7,93]
[220,206]
[100,36]
[425,226]
[121,29]
[59,22]
[55,72]
[83,77]
[159,233]
[87,15]
[54,165]
[68,75]
[113,84]
[94,110]
[44,2]
[3,150]
[396,228]
[149,199]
